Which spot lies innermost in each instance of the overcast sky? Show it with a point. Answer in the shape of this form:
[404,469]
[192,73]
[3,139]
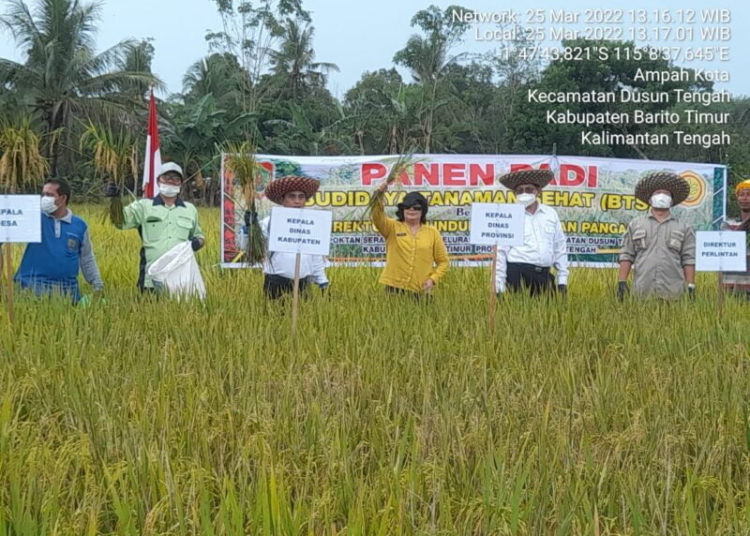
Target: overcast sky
[364,35]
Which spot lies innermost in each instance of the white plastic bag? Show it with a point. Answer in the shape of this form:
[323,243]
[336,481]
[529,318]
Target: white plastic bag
[177,271]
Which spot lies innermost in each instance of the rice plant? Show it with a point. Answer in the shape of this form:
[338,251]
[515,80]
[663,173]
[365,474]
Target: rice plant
[399,169]
[113,155]
[581,416]
[241,162]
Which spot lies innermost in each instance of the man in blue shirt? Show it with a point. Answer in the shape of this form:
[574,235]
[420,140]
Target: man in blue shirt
[52,265]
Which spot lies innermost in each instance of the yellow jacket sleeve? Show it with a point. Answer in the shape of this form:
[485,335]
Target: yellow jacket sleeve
[384,224]
[440,253]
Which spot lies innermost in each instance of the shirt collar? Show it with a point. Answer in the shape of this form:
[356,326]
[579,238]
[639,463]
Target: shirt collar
[539,209]
[159,200]
[670,216]
[68,218]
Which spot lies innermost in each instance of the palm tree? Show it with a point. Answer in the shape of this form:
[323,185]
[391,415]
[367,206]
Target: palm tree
[220,75]
[63,78]
[295,63]
[428,56]
[137,58]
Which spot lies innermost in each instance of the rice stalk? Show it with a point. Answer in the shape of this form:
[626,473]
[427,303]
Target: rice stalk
[399,168]
[21,162]
[114,156]
[241,162]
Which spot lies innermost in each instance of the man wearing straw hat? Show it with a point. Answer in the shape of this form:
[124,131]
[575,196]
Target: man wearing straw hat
[659,247]
[738,283]
[545,245]
[290,192]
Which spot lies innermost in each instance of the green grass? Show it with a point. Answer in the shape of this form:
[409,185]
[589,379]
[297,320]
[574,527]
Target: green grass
[383,417]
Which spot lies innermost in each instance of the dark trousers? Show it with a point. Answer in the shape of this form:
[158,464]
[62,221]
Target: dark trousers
[537,279]
[142,270]
[141,264]
[276,286]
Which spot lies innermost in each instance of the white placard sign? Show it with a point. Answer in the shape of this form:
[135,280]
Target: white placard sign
[720,251]
[20,219]
[499,224]
[300,230]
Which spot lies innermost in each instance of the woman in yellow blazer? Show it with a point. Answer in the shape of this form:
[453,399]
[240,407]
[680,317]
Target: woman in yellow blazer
[416,256]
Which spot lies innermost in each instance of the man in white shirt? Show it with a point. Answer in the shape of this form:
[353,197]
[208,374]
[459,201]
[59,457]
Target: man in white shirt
[290,192]
[528,266]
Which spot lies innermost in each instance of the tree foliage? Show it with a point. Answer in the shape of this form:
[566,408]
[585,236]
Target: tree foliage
[262,85]
[63,79]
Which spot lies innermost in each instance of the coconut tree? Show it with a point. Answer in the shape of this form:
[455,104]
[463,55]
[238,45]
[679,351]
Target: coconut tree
[63,78]
[427,57]
[220,75]
[137,58]
[294,63]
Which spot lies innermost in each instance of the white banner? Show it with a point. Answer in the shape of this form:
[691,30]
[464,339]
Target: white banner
[20,219]
[497,224]
[721,251]
[299,230]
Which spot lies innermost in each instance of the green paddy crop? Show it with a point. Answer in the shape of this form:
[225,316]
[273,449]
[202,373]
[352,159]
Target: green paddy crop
[382,417]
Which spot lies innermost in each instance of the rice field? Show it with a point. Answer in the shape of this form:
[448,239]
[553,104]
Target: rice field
[382,417]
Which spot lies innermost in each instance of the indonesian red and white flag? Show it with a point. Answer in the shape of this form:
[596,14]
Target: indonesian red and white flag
[152,158]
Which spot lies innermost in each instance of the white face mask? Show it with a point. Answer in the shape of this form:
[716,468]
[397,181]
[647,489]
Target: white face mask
[661,201]
[526,199]
[169,190]
[48,205]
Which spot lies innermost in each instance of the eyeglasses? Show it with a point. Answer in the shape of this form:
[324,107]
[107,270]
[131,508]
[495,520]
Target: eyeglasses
[526,190]
[414,207]
[171,179]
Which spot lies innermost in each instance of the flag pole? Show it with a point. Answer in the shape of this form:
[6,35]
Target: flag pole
[9,274]
[152,156]
[295,293]
[493,289]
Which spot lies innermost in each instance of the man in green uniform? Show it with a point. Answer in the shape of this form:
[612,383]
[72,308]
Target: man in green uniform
[163,222]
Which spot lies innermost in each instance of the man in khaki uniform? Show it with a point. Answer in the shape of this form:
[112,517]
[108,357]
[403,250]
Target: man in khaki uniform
[659,247]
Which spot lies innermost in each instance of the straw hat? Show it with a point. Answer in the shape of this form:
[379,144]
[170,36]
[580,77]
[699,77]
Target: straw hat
[538,177]
[278,188]
[662,180]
